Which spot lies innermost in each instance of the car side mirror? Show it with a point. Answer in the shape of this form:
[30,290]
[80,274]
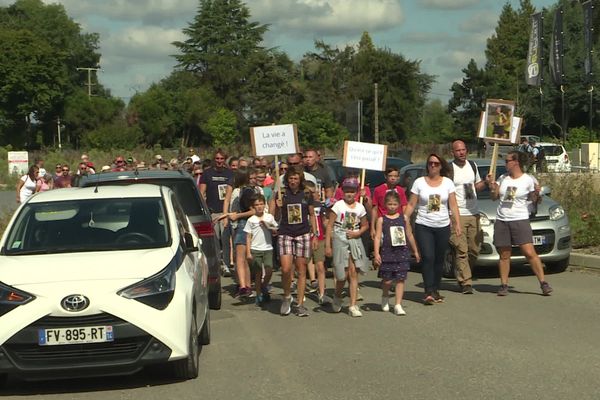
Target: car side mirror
[189,242]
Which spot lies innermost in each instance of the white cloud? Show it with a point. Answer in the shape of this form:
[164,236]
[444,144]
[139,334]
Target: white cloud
[448,4]
[458,59]
[328,17]
[480,22]
[142,43]
[148,12]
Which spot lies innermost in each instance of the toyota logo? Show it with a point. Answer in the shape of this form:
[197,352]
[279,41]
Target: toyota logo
[75,302]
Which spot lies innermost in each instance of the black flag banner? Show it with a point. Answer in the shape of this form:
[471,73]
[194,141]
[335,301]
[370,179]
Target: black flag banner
[534,55]
[588,16]
[556,49]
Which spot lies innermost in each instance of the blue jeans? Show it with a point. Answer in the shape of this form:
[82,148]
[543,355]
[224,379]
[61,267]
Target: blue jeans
[432,244]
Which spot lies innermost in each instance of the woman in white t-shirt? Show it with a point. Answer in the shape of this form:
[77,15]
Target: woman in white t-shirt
[517,192]
[433,195]
[27,184]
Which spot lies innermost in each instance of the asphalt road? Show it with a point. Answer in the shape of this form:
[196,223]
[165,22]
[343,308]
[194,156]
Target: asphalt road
[7,201]
[523,346]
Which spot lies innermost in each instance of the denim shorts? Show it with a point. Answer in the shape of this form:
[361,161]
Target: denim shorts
[239,236]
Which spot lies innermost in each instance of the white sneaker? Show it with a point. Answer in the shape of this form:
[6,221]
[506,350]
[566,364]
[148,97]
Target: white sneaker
[286,306]
[359,297]
[336,305]
[385,306]
[398,310]
[324,299]
[354,311]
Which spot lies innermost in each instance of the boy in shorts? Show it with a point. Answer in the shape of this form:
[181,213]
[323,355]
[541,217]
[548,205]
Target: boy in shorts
[259,247]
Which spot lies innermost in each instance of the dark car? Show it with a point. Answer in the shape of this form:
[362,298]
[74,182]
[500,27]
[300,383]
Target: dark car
[372,178]
[193,205]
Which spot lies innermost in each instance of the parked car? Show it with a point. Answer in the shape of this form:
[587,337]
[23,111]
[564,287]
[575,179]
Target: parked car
[556,158]
[194,206]
[372,178]
[550,225]
[101,281]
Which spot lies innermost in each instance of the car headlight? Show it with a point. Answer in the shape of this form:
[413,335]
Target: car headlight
[11,298]
[556,213]
[484,220]
[156,291]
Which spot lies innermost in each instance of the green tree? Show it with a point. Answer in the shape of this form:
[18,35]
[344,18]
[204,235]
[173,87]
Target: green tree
[468,99]
[83,114]
[316,127]
[222,127]
[152,112]
[41,49]
[221,40]
[436,125]
[116,135]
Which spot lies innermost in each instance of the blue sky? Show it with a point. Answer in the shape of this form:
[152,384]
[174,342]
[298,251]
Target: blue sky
[135,35]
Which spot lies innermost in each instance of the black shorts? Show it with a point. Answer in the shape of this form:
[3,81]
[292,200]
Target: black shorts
[512,233]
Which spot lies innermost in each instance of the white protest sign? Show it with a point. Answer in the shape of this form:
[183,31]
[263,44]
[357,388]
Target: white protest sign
[365,155]
[273,140]
[18,162]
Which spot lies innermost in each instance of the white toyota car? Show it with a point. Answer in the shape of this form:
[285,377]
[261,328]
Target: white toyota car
[101,281]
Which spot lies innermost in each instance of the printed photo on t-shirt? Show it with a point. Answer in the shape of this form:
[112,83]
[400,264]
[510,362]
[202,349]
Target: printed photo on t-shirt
[350,220]
[511,194]
[435,203]
[294,214]
[469,191]
[398,236]
[222,191]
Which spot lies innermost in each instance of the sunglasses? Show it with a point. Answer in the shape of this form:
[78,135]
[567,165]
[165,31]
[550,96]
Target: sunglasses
[283,169]
[434,163]
[65,170]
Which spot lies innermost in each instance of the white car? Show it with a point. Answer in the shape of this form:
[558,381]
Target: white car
[101,281]
[556,158]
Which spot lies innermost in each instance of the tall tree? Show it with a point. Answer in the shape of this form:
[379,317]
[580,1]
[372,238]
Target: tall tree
[221,40]
[42,47]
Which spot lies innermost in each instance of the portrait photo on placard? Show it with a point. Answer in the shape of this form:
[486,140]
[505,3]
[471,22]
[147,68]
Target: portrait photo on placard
[498,122]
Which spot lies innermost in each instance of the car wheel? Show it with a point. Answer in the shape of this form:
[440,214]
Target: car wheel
[214,299]
[187,368]
[449,269]
[558,266]
[205,332]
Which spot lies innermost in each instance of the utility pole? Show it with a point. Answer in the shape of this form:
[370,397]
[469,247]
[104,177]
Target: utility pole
[89,83]
[359,120]
[58,131]
[376,115]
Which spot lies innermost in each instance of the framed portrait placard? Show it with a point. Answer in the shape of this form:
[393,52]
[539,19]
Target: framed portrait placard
[498,122]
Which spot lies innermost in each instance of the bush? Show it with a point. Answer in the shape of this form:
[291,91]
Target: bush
[579,194]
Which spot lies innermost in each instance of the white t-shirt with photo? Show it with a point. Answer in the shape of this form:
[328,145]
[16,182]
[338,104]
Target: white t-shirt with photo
[464,182]
[514,194]
[348,217]
[261,233]
[432,204]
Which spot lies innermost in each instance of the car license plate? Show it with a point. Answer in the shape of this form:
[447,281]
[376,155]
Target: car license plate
[80,335]
[539,240]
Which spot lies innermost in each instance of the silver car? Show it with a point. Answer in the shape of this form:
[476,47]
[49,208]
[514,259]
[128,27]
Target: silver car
[550,225]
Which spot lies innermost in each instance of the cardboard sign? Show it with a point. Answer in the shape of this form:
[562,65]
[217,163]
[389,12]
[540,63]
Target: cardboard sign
[364,155]
[18,162]
[274,140]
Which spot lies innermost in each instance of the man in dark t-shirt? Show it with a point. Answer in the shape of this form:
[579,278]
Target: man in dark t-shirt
[215,183]
[324,181]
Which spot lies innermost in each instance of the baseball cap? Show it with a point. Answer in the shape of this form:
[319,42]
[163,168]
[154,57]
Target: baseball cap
[195,158]
[158,157]
[41,172]
[350,183]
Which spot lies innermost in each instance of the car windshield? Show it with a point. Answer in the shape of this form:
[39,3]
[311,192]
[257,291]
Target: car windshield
[88,225]
[553,150]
